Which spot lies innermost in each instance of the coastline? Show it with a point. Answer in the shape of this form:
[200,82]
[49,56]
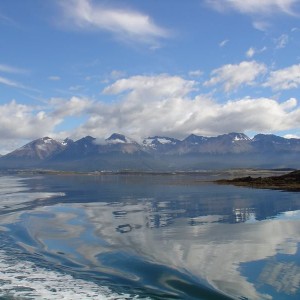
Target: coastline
[287,182]
[228,173]
[279,179]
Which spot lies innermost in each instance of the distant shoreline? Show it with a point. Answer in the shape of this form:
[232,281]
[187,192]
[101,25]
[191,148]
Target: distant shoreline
[226,172]
[276,179]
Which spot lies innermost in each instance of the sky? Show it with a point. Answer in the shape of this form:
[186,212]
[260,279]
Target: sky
[72,68]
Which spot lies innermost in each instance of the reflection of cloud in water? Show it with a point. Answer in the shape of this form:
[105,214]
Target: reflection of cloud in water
[208,250]
[16,196]
[283,277]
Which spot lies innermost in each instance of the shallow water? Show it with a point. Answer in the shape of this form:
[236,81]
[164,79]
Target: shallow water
[146,237]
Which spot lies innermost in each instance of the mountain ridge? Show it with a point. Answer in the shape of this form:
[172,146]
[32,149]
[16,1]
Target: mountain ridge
[157,153]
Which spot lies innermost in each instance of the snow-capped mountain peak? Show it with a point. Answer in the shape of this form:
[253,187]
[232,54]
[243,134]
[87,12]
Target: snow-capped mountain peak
[195,139]
[119,151]
[238,136]
[38,149]
[117,138]
[47,140]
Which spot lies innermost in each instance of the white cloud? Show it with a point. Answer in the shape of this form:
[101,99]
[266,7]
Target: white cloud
[292,136]
[10,69]
[75,88]
[72,107]
[223,43]
[233,76]
[261,11]
[195,73]
[179,117]
[125,23]
[116,74]
[10,83]
[161,86]
[144,109]
[289,104]
[258,7]
[284,79]
[282,41]
[24,121]
[261,25]
[15,84]
[20,123]
[252,51]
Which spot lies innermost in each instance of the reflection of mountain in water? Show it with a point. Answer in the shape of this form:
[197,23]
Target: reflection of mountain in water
[167,198]
[236,209]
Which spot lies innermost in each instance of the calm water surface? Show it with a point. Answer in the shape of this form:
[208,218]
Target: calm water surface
[146,237]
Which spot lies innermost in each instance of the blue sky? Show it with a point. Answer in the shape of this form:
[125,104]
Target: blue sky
[72,68]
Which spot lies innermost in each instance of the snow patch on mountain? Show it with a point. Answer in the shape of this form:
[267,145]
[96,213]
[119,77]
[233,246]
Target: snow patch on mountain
[157,140]
[66,142]
[195,139]
[238,138]
[47,140]
[165,141]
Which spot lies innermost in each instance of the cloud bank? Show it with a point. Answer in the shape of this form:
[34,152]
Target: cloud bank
[159,105]
[164,105]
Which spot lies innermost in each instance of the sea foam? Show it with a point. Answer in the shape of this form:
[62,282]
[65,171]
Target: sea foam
[24,280]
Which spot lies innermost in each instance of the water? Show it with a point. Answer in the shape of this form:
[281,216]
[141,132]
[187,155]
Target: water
[146,237]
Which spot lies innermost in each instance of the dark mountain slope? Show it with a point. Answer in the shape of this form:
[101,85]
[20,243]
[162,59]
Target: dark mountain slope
[233,150]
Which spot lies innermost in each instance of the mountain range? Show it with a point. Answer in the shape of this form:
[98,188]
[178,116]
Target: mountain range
[156,153]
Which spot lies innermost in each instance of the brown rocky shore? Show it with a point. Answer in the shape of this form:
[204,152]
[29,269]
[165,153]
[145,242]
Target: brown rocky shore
[290,181]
